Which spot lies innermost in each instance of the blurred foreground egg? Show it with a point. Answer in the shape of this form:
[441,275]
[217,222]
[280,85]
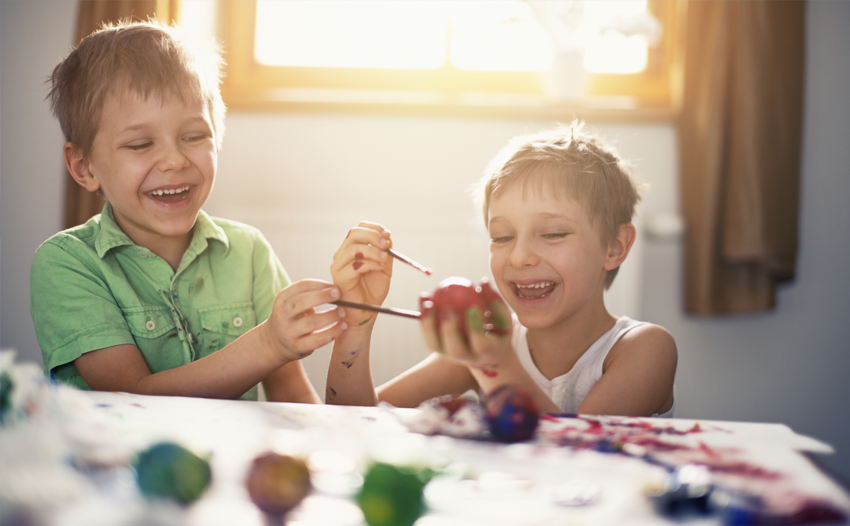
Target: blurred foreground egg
[278,483]
[391,496]
[167,470]
[512,413]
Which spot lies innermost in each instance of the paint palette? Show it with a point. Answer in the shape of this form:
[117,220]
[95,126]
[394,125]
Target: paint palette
[512,414]
[170,471]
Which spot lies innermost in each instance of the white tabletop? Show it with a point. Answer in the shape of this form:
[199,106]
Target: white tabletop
[487,483]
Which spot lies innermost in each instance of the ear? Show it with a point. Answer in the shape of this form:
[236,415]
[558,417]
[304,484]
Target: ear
[78,167]
[619,248]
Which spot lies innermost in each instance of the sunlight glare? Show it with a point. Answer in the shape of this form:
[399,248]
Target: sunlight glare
[498,36]
[611,51]
[366,34]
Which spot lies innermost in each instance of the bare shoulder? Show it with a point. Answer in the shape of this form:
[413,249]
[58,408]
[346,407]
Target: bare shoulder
[645,343]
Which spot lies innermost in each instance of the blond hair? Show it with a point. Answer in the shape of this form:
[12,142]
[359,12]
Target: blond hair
[148,58]
[572,164]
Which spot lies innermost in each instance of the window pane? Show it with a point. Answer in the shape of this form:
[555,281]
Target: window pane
[371,34]
[618,41]
[498,36]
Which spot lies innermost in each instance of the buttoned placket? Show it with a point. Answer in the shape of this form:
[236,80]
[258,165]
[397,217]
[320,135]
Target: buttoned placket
[172,301]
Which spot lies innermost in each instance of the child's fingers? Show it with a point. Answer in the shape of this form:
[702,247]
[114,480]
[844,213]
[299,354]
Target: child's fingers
[359,258]
[430,330]
[451,335]
[366,233]
[303,295]
[308,324]
[309,343]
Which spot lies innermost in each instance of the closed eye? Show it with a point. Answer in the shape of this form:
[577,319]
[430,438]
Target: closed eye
[503,239]
[195,138]
[555,235]
[136,147]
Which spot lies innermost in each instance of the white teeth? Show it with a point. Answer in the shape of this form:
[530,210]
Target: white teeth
[536,285]
[172,191]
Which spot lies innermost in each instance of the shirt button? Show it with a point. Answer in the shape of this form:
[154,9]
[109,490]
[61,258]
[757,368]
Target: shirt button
[237,321]
[143,254]
[150,325]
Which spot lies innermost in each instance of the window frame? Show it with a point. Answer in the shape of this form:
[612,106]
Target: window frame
[249,85]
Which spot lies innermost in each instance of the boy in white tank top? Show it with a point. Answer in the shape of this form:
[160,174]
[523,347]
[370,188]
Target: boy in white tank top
[558,207]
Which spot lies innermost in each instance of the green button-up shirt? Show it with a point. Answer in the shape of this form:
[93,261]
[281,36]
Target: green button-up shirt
[92,287]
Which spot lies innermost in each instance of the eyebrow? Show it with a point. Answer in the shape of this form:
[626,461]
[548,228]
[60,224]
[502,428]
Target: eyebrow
[143,125]
[541,215]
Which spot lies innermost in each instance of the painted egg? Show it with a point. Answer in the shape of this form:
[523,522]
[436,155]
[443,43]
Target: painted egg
[391,496]
[277,483]
[459,295]
[512,413]
[170,471]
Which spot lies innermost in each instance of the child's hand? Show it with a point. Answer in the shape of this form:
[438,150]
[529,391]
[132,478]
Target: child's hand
[362,269]
[480,349]
[295,329]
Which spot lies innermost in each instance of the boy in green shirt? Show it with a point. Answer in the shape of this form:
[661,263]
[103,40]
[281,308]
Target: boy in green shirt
[153,296]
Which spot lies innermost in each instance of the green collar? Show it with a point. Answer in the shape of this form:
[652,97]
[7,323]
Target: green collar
[111,235]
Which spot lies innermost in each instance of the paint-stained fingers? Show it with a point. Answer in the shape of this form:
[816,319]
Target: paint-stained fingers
[360,258]
[451,336]
[366,233]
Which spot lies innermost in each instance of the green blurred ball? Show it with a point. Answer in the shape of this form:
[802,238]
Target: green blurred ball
[167,470]
[391,496]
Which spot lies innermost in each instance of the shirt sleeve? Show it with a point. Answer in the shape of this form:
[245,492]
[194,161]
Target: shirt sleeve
[72,309]
[269,278]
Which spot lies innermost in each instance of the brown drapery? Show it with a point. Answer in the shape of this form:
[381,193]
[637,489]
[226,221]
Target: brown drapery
[740,133]
[80,205]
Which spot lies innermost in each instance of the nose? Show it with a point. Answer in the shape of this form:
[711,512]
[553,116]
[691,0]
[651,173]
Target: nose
[523,254]
[172,159]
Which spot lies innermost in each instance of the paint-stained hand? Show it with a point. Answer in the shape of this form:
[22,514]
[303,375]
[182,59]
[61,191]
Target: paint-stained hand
[478,346]
[362,269]
[295,328]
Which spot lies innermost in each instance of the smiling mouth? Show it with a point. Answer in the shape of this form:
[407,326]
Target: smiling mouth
[535,290]
[170,196]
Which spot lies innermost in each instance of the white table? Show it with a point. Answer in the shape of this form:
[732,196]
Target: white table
[519,486]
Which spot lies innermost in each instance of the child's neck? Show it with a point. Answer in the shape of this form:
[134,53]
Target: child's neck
[556,349]
[172,250]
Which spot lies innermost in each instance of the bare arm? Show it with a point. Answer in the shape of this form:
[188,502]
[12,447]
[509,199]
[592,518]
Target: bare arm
[638,375]
[290,384]
[292,332]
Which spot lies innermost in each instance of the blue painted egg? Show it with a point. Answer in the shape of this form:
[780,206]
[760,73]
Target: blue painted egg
[512,413]
[170,471]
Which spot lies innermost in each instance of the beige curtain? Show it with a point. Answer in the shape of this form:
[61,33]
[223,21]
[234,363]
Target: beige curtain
[740,133]
[80,205]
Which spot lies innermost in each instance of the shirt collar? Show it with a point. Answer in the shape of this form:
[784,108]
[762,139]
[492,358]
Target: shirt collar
[112,236]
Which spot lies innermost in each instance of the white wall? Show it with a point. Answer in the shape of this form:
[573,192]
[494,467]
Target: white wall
[289,171]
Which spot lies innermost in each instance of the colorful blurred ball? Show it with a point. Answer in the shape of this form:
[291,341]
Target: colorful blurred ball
[167,470]
[512,413]
[277,483]
[391,496]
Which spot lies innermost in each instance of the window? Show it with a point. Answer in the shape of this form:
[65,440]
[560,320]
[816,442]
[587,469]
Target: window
[470,55]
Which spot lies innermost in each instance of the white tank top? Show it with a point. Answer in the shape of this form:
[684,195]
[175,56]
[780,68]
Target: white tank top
[568,391]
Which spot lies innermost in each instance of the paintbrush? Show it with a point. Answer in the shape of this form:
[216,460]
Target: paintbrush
[374,308]
[414,264]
